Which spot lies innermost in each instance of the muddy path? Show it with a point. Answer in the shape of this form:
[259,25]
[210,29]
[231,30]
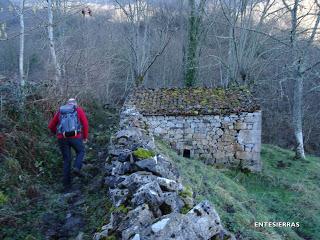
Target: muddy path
[83,210]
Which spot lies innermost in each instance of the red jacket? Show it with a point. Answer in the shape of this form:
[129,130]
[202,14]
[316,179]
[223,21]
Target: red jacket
[82,118]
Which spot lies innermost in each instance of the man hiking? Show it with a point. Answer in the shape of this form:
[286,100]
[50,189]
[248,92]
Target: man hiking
[70,124]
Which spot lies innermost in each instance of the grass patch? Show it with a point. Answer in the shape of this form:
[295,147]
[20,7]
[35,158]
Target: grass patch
[187,192]
[185,209]
[286,190]
[121,209]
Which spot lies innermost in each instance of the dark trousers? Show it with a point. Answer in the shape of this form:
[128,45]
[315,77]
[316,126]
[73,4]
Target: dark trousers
[65,145]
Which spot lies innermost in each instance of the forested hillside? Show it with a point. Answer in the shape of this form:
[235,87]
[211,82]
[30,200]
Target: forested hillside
[98,52]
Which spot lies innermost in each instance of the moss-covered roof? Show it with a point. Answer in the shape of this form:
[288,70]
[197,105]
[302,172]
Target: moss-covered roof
[193,101]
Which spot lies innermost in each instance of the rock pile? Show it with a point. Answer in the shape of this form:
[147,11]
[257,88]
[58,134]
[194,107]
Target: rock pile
[149,200]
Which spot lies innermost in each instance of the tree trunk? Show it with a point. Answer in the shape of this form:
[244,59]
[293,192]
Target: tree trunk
[52,48]
[21,52]
[297,112]
[191,61]
[231,57]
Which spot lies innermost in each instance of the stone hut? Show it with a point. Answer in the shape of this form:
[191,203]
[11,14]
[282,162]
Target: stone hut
[220,126]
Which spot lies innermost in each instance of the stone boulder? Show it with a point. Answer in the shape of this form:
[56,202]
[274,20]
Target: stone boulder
[172,202]
[150,194]
[201,222]
[119,154]
[136,219]
[118,196]
[169,185]
[135,180]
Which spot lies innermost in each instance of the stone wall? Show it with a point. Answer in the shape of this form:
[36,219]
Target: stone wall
[232,141]
[148,197]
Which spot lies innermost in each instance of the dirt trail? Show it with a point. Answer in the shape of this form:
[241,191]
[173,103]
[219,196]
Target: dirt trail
[82,210]
[69,222]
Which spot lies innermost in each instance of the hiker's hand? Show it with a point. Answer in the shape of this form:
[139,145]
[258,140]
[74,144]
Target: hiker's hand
[85,140]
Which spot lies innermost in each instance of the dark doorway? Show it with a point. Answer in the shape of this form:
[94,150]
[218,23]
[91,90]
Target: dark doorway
[186,153]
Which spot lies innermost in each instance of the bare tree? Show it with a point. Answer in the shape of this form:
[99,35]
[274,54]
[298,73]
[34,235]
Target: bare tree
[20,12]
[21,52]
[301,63]
[55,61]
[143,50]
[246,38]
[257,29]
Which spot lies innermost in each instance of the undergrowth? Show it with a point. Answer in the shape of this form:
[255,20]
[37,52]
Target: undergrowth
[31,170]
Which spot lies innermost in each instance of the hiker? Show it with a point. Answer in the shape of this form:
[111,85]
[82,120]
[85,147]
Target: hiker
[70,124]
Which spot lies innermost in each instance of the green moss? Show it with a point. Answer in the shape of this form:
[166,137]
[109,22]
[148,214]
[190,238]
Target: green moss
[244,88]
[3,198]
[198,90]
[204,102]
[187,192]
[185,209]
[175,93]
[195,101]
[121,209]
[112,237]
[195,112]
[142,153]
[220,93]
[235,103]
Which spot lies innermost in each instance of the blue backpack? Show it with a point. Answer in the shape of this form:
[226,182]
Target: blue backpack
[69,124]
